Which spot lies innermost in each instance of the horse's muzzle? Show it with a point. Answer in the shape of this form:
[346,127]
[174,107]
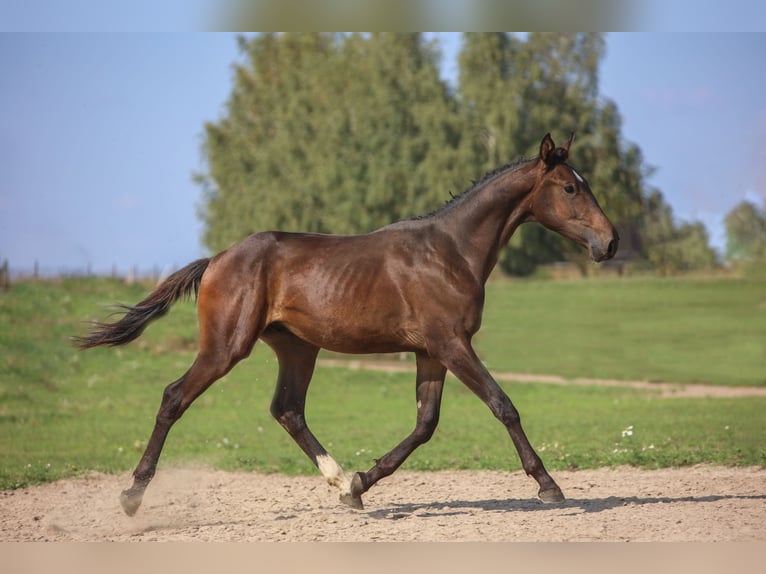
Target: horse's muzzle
[606,248]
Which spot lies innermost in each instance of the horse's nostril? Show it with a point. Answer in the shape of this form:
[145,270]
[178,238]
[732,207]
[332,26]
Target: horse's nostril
[611,248]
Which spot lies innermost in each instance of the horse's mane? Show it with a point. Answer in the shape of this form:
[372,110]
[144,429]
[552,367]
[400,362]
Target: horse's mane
[476,184]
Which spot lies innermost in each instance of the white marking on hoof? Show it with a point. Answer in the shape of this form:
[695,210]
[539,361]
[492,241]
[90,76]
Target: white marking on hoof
[334,474]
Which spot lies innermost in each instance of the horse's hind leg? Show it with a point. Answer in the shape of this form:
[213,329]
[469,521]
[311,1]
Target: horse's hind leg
[430,383]
[297,359]
[175,400]
[229,327]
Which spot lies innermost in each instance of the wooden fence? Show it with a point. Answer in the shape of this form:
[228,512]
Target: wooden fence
[9,275]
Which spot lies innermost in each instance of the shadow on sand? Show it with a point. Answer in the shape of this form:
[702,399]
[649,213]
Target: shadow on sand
[586,505]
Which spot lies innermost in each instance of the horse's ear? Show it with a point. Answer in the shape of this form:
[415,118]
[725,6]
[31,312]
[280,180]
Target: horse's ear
[547,147]
[569,143]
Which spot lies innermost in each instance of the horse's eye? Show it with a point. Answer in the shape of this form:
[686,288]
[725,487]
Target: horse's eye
[569,188]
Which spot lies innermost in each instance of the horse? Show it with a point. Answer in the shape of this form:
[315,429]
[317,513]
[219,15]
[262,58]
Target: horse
[415,286]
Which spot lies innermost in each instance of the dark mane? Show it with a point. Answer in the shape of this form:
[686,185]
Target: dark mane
[477,184]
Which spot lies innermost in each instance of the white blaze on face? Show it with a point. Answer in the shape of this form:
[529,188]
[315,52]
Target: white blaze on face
[578,176]
[334,474]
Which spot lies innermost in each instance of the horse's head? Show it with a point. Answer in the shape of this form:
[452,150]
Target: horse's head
[561,200]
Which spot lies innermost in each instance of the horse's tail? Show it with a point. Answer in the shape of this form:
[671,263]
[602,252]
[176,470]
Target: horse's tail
[132,324]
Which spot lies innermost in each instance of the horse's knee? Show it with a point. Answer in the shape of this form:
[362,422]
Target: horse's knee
[511,417]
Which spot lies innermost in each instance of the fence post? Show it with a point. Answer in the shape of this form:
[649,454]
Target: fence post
[5,276]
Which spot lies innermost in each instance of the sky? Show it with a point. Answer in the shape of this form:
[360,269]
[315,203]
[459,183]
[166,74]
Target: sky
[101,134]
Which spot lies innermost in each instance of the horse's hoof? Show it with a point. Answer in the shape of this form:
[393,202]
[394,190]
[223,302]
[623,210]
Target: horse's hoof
[130,501]
[354,502]
[353,498]
[551,495]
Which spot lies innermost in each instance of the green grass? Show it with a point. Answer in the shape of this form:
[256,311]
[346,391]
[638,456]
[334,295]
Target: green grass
[677,330]
[63,412]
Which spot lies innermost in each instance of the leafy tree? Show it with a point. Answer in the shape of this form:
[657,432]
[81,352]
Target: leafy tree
[254,154]
[745,233]
[694,246]
[330,133]
[490,96]
[672,248]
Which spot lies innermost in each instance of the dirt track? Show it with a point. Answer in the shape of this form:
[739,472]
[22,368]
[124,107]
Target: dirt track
[693,504]
[699,504]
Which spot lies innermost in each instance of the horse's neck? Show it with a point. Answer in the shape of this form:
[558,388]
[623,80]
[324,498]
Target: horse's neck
[484,222]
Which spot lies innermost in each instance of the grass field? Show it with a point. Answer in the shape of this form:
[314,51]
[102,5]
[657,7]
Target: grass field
[677,330]
[63,412]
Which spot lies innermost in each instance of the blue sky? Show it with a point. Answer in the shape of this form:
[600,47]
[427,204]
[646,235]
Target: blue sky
[101,134]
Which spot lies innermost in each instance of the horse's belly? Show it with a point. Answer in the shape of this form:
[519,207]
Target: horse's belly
[355,335]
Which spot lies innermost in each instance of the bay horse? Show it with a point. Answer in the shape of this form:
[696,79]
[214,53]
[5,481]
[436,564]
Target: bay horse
[416,286]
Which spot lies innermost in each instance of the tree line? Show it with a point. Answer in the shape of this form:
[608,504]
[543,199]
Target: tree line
[344,133]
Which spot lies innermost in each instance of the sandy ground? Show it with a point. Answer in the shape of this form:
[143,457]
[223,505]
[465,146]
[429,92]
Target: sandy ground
[699,504]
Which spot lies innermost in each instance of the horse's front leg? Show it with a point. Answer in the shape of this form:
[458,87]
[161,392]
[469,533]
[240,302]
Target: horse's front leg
[462,361]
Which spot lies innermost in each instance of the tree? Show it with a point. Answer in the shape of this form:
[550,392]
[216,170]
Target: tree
[253,153]
[745,233]
[672,248]
[490,96]
[330,133]
[694,246]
